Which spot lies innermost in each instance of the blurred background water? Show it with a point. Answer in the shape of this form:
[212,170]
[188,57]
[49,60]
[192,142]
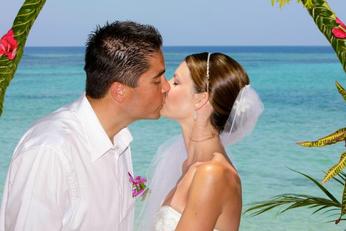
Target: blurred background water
[296,84]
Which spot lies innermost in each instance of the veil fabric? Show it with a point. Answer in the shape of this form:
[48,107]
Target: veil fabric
[165,171]
[166,167]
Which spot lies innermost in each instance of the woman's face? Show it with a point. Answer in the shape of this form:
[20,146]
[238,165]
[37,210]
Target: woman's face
[179,101]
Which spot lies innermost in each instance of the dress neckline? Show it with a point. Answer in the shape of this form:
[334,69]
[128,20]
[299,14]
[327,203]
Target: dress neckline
[175,212]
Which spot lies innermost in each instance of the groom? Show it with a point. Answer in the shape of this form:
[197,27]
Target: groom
[70,169]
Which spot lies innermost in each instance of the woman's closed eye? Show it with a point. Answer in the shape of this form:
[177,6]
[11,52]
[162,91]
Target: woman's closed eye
[175,81]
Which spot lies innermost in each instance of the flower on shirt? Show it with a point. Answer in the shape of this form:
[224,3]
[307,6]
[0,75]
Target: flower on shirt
[8,45]
[339,31]
[138,185]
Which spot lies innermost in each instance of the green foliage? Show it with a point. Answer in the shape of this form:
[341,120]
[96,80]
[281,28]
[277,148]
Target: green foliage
[325,204]
[21,27]
[307,3]
[341,90]
[335,169]
[324,19]
[335,137]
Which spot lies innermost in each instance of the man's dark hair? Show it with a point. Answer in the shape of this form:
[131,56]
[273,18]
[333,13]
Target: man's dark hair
[118,52]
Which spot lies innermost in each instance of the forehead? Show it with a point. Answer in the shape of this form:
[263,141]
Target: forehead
[156,61]
[183,72]
[156,66]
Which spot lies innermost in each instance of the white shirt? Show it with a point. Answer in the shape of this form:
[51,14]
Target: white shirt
[66,174]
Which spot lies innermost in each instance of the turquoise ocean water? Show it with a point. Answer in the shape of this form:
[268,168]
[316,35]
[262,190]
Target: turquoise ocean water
[296,84]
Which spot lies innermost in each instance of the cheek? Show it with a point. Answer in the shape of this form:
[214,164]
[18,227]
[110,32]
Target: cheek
[179,102]
[152,97]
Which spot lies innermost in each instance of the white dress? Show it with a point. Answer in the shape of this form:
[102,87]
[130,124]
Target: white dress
[167,219]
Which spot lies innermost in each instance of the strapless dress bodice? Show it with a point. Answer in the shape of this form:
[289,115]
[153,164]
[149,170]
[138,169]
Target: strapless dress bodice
[167,219]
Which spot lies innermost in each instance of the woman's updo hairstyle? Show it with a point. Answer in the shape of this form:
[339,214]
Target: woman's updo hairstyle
[226,79]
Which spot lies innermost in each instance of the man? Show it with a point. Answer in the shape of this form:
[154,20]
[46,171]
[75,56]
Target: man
[70,170]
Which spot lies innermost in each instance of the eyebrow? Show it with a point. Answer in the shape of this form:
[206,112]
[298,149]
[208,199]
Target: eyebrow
[159,74]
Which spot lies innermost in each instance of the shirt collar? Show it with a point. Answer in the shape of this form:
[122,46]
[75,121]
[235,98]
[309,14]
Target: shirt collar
[97,137]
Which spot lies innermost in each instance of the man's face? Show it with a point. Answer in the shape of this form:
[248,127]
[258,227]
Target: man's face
[147,99]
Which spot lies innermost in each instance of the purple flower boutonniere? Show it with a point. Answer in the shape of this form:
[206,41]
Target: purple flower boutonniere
[138,185]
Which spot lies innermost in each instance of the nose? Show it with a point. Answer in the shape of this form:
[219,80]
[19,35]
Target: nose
[165,85]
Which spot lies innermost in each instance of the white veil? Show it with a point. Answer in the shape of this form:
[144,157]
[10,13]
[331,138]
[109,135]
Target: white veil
[166,167]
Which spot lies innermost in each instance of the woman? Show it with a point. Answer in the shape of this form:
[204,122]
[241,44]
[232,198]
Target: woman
[212,101]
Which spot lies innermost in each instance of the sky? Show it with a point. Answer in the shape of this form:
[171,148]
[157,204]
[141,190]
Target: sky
[181,22]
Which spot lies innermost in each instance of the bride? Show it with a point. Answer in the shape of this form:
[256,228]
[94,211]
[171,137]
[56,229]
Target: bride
[194,184]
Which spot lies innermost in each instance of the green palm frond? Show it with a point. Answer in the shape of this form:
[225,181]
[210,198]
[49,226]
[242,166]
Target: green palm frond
[326,204]
[337,168]
[293,201]
[339,178]
[320,186]
[324,19]
[338,136]
[21,28]
[307,3]
[341,90]
[280,2]
[343,206]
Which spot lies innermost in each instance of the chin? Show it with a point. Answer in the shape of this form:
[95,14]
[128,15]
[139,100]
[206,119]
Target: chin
[154,116]
[167,115]
[164,112]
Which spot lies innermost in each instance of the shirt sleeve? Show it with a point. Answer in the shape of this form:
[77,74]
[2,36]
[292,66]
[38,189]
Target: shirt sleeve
[37,193]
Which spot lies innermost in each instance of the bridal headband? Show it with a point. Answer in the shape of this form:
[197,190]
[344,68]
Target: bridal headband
[208,64]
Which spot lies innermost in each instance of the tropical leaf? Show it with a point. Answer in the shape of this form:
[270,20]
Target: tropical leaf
[343,206]
[341,90]
[336,169]
[339,179]
[280,2]
[21,28]
[292,201]
[338,136]
[308,3]
[325,20]
[321,187]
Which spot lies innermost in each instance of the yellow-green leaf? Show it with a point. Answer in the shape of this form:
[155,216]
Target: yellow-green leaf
[333,171]
[281,2]
[324,19]
[341,90]
[21,27]
[343,206]
[339,135]
[308,4]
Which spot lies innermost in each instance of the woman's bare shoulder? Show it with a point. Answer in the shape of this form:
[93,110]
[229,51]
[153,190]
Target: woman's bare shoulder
[217,173]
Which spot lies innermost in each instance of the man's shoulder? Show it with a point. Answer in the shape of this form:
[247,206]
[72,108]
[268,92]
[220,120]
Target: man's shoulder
[56,129]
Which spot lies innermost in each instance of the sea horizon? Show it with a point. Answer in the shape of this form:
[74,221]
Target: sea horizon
[295,83]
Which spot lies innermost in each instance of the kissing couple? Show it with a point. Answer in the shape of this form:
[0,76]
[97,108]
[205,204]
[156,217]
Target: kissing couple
[71,169]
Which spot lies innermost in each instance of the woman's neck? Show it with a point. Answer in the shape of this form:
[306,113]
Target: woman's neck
[201,141]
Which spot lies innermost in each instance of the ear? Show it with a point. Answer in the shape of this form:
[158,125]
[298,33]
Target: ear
[117,91]
[200,99]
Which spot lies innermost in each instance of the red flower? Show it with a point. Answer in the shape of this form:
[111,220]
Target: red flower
[8,45]
[340,30]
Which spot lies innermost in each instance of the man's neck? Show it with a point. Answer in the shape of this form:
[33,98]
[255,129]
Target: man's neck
[110,116]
